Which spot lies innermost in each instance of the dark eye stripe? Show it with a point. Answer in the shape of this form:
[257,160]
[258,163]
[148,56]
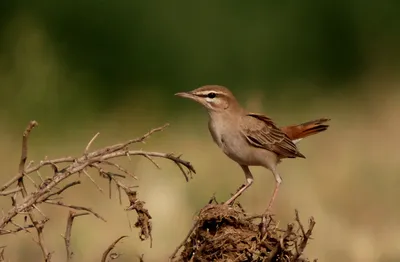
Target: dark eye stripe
[203,94]
[211,95]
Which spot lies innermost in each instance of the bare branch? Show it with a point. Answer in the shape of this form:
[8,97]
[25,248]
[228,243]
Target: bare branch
[38,209]
[39,228]
[2,248]
[90,142]
[298,221]
[58,192]
[20,228]
[152,160]
[9,183]
[120,168]
[59,203]
[177,160]
[49,191]
[21,174]
[30,179]
[31,169]
[306,235]
[52,163]
[94,182]
[184,240]
[10,192]
[67,236]
[13,231]
[122,146]
[111,247]
[24,153]
[78,164]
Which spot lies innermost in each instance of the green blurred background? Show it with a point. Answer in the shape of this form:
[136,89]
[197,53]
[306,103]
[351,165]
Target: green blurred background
[81,67]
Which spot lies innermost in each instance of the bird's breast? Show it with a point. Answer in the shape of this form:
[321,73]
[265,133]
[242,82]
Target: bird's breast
[231,140]
[216,132]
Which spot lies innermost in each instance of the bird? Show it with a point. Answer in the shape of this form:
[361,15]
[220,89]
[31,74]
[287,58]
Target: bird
[250,139]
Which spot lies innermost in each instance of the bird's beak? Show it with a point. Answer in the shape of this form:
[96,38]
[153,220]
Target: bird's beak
[191,96]
[186,95]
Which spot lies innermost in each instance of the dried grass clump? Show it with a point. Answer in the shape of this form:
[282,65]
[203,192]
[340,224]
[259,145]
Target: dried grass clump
[223,233]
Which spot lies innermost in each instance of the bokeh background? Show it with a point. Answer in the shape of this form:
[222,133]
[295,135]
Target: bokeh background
[82,67]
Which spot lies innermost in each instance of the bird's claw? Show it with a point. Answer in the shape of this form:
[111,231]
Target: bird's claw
[265,223]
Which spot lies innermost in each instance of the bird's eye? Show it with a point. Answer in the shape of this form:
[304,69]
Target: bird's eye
[211,95]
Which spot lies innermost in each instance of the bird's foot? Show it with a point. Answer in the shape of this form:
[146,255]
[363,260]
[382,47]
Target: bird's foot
[265,222]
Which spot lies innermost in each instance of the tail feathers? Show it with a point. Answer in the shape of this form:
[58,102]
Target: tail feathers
[297,132]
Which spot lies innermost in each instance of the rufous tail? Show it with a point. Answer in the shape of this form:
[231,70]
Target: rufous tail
[297,132]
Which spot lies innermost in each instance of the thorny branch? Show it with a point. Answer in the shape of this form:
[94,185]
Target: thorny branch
[21,173]
[59,203]
[21,228]
[49,191]
[10,192]
[67,236]
[306,235]
[111,247]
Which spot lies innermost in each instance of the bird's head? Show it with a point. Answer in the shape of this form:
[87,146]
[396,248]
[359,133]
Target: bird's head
[213,97]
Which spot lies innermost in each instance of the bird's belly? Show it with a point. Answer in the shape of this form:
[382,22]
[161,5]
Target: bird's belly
[237,148]
[243,155]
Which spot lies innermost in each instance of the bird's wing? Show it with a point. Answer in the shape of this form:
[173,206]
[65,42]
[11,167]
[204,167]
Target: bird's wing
[260,131]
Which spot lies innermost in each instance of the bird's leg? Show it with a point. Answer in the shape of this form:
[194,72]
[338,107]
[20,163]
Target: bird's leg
[271,201]
[249,181]
[278,181]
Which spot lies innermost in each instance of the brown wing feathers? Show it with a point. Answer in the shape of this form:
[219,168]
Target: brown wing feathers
[261,132]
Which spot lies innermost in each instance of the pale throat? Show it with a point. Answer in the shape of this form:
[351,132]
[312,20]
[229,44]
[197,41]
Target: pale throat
[220,124]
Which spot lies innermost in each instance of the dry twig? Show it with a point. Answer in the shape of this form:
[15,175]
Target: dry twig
[2,248]
[67,236]
[90,142]
[59,203]
[21,185]
[21,228]
[111,247]
[194,227]
[49,192]
[306,235]
[10,192]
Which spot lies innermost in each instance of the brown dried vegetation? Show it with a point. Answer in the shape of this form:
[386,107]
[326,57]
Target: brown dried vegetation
[223,233]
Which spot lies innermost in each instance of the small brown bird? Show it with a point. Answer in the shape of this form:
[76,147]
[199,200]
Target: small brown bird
[250,139]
